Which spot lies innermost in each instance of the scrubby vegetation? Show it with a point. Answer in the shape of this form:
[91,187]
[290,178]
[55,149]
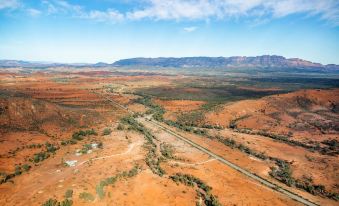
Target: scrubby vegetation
[41,156]
[83,133]
[233,144]
[192,119]
[85,148]
[167,151]
[185,127]
[54,202]
[203,189]
[13,152]
[329,150]
[186,121]
[19,169]
[120,127]
[69,194]
[4,177]
[233,123]
[86,196]
[332,146]
[152,158]
[112,180]
[212,91]
[107,131]
[70,141]
[155,109]
[283,173]
[78,136]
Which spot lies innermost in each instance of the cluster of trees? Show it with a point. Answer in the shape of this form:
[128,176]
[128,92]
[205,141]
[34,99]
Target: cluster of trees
[85,148]
[54,202]
[152,159]
[82,133]
[186,122]
[41,156]
[157,111]
[190,180]
[78,136]
[185,127]
[112,180]
[332,147]
[86,196]
[12,153]
[233,144]
[66,202]
[167,151]
[283,173]
[330,150]
[37,157]
[19,169]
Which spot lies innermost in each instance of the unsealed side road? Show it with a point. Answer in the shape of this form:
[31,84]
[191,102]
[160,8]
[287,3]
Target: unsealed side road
[222,160]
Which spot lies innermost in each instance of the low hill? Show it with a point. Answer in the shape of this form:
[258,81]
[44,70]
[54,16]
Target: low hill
[307,115]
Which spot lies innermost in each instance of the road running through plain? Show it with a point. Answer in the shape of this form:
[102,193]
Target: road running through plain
[239,169]
[253,176]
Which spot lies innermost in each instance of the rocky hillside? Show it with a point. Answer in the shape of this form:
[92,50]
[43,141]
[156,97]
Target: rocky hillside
[230,62]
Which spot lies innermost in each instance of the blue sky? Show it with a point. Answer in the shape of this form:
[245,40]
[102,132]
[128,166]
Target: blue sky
[108,30]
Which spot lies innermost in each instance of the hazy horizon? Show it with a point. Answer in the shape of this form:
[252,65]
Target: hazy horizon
[105,31]
[113,61]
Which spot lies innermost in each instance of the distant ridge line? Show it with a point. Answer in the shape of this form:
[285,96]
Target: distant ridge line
[264,61]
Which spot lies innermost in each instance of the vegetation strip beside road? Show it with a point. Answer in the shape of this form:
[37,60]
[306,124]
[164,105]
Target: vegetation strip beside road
[224,161]
[241,170]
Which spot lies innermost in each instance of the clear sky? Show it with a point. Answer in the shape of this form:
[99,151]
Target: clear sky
[108,30]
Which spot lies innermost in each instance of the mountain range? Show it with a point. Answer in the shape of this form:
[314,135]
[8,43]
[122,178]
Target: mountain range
[264,61]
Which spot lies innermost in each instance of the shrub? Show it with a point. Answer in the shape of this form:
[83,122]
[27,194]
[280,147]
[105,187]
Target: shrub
[100,189]
[50,148]
[167,151]
[51,202]
[26,167]
[17,170]
[283,173]
[69,193]
[86,196]
[66,142]
[54,202]
[66,203]
[82,133]
[85,148]
[120,127]
[38,157]
[107,131]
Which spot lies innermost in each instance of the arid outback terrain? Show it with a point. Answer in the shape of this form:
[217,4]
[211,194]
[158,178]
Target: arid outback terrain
[142,138]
